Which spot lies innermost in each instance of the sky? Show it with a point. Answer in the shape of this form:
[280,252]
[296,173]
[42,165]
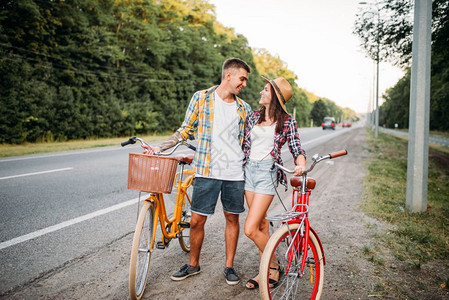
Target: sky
[314,38]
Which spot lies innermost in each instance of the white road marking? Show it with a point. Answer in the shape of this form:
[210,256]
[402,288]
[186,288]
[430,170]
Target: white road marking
[61,225]
[36,173]
[74,152]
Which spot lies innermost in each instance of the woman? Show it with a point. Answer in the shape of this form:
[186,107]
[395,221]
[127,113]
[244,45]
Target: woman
[267,130]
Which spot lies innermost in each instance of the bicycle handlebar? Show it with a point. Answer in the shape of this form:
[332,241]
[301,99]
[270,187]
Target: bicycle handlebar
[131,140]
[180,142]
[316,159]
[338,153]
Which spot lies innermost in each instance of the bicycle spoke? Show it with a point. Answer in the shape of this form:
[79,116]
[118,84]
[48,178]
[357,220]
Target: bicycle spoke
[286,246]
[141,252]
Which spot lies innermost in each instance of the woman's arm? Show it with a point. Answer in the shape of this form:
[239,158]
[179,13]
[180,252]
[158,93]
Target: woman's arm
[300,165]
[294,145]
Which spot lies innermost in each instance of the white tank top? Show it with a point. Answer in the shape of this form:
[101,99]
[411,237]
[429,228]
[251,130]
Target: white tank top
[262,142]
[226,152]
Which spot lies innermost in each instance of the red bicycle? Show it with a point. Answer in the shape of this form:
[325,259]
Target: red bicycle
[295,250]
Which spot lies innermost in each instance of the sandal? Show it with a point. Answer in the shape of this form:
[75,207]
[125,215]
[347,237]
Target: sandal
[273,283]
[253,282]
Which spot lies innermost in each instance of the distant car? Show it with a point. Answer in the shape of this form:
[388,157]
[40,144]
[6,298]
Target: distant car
[328,123]
[346,124]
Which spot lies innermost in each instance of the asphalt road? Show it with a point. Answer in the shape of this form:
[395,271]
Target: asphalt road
[432,139]
[60,207]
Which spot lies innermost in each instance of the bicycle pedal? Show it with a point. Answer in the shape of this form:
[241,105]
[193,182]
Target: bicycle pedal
[160,245]
[184,225]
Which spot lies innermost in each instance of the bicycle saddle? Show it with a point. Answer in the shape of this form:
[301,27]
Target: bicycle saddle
[185,159]
[296,181]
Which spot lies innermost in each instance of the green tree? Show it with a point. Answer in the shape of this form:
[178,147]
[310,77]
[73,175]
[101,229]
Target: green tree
[395,40]
[80,69]
[272,67]
[318,112]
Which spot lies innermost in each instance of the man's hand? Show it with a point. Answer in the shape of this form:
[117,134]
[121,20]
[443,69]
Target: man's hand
[151,150]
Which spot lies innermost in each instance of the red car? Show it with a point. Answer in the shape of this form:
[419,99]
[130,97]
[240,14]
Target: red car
[346,124]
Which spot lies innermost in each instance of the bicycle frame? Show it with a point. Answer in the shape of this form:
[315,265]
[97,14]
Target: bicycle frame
[295,246]
[154,211]
[160,213]
[300,204]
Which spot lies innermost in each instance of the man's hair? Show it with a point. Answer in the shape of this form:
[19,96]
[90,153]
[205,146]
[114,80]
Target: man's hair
[234,63]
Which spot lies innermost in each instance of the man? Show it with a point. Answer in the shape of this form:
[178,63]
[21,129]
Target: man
[218,116]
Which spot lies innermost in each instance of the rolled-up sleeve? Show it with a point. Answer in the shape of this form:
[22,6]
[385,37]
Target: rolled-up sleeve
[190,123]
[294,143]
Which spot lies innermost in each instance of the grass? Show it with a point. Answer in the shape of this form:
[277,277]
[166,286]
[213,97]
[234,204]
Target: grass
[7,150]
[413,239]
[418,236]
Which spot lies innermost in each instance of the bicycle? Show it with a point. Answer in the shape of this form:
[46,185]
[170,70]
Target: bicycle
[157,174]
[294,249]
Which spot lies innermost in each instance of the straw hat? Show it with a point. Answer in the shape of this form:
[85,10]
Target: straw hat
[283,90]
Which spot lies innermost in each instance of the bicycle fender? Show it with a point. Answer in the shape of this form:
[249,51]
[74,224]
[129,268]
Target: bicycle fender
[319,242]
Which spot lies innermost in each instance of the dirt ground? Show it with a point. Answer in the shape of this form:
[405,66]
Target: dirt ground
[335,215]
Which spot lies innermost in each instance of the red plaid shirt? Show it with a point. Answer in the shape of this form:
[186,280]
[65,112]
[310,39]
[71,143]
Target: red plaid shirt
[288,134]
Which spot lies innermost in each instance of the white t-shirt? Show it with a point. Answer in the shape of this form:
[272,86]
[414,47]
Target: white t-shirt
[226,152]
[262,142]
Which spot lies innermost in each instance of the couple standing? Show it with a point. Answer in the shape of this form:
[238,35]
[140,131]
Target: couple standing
[230,135]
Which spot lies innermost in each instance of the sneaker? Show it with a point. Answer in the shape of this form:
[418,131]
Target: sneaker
[185,271]
[231,276]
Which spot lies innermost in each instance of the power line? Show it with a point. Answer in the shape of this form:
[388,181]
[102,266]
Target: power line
[129,72]
[129,75]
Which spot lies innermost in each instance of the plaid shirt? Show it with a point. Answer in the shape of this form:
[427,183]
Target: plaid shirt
[200,117]
[288,134]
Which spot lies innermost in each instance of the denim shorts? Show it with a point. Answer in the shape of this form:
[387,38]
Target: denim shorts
[259,178]
[205,195]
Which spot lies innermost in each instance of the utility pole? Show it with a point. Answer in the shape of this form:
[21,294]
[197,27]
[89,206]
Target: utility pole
[418,143]
[376,129]
[376,112]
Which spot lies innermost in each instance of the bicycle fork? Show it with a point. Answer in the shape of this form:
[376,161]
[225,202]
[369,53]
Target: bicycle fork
[299,245]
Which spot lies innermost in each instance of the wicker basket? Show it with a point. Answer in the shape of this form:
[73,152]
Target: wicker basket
[151,173]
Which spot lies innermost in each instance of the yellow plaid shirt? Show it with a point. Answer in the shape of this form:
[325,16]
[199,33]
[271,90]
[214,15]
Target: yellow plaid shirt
[200,117]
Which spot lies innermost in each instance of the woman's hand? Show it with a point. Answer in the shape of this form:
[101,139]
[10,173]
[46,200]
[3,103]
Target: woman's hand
[299,169]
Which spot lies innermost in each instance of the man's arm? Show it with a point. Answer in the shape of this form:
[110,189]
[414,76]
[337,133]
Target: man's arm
[185,132]
[167,144]
[170,142]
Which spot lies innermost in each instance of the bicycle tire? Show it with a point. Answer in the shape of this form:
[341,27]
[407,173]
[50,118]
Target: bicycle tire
[141,251]
[292,286]
[186,215]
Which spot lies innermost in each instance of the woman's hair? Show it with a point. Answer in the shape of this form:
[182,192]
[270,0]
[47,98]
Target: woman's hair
[276,112]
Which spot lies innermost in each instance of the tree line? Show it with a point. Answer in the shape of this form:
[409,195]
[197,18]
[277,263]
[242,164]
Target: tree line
[78,69]
[395,41]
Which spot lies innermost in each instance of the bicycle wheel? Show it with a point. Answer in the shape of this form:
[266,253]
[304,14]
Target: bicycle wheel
[141,251]
[186,215]
[287,255]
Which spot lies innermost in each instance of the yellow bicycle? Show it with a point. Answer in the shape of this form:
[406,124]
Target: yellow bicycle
[157,174]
